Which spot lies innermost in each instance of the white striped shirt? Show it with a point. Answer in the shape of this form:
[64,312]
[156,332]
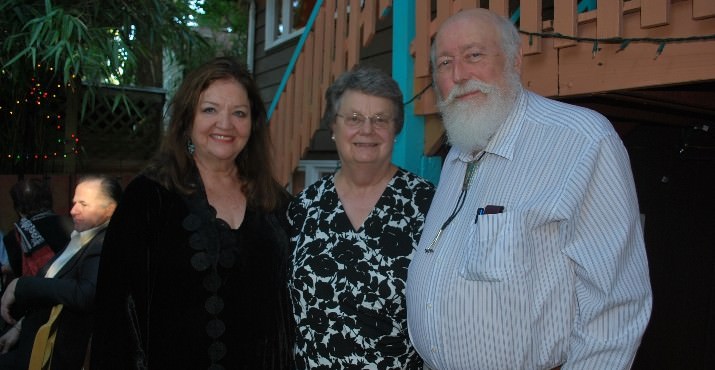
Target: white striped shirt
[560,277]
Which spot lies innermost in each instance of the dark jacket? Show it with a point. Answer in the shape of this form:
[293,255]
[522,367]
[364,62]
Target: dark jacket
[202,291]
[73,286]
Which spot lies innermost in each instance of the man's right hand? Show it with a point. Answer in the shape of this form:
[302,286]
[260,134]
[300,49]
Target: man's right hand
[9,339]
[8,298]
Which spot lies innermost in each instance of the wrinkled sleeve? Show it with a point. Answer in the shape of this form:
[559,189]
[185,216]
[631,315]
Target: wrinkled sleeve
[607,248]
[77,293]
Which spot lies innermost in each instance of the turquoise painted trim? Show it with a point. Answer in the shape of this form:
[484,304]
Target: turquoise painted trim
[408,151]
[583,6]
[586,5]
[296,53]
[431,168]
[515,17]
[386,11]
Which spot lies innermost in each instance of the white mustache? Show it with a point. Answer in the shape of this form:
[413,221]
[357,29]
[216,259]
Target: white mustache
[468,87]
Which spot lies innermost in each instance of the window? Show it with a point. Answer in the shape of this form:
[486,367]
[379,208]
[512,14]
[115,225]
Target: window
[310,171]
[285,19]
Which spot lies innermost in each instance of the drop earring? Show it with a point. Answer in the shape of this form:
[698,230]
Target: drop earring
[190,147]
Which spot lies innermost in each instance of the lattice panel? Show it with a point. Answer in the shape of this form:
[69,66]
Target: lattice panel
[117,135]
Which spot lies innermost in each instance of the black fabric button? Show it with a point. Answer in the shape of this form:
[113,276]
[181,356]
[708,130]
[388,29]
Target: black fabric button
[200,261]
[217,351]
[215,328]
[214,305]
[197,242]
[191,223]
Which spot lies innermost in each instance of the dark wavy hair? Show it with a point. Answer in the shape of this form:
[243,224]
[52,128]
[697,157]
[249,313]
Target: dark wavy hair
[174,167]
[31,196]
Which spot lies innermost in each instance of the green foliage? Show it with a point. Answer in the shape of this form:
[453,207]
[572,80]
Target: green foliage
[227,21]
[70,48]
[100,41]
[223,14]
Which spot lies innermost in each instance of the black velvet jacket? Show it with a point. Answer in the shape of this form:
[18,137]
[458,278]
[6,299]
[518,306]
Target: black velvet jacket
[203,294]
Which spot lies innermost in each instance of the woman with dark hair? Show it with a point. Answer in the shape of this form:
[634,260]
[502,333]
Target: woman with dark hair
[354,233]
[194,268]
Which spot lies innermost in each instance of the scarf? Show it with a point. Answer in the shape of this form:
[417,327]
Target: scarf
[30,236]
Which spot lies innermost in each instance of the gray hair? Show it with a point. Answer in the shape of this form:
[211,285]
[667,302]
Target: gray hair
[510,38]
[369,81]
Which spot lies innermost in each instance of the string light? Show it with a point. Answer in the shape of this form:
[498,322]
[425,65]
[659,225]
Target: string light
[40,111]
[623,41]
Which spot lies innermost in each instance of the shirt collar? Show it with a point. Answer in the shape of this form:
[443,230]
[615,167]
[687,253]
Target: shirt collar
[504,140]
[87,235]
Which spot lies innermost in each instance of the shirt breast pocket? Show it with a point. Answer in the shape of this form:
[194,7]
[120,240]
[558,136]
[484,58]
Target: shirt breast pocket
[496,250]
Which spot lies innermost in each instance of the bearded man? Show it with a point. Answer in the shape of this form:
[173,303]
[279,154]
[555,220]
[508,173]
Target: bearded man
[532,255]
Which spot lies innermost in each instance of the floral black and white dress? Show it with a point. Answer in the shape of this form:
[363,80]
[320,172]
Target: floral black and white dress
[347,285]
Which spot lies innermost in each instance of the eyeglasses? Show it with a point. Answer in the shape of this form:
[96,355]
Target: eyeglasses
[356,120]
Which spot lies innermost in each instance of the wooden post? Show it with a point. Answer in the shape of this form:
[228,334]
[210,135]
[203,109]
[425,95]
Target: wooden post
[531,22]
[610,18]
[565,21]
[655,13]
[703,9]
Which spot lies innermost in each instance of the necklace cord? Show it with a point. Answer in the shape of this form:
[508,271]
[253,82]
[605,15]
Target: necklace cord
[466,183]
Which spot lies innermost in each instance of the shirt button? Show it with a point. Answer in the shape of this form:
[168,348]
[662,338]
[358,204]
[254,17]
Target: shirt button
[433,349]
[429,305]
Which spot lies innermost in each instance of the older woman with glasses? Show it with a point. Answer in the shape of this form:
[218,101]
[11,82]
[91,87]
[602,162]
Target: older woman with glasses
[354,233]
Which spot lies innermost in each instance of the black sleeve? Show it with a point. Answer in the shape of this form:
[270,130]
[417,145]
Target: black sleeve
[76,290]
[123,278]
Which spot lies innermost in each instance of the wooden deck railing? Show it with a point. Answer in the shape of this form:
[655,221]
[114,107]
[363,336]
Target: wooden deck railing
[564,67]
[552,66]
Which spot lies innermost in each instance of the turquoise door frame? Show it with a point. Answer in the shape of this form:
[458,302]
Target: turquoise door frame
[409,148]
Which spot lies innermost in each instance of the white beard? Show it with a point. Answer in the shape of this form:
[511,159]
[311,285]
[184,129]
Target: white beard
[471,124]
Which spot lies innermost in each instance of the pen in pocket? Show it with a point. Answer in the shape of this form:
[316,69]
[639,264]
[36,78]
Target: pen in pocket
[489,210]
[480,211]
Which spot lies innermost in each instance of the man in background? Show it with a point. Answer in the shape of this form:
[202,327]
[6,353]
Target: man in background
[69,279]
[39,233]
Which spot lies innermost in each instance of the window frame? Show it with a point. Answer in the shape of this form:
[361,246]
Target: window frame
[272,22]
[315,169]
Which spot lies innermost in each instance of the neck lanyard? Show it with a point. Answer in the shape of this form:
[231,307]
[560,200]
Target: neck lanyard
[466,183]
